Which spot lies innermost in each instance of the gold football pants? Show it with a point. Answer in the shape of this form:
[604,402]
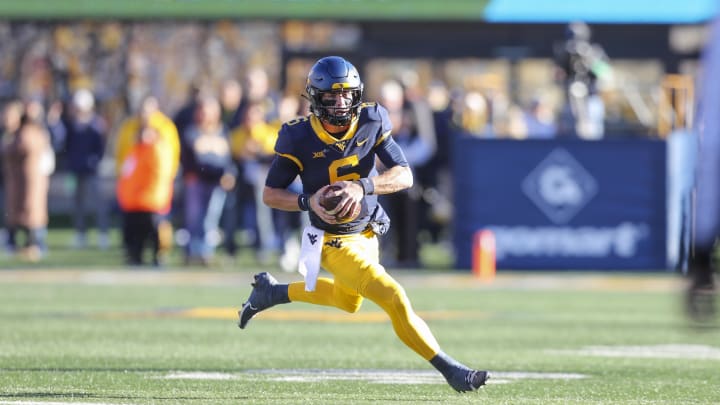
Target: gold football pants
[353,260]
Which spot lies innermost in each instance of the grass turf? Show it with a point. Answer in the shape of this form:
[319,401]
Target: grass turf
[120,337]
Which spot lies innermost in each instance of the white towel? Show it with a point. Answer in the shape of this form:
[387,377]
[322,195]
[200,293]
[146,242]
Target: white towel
[310,250]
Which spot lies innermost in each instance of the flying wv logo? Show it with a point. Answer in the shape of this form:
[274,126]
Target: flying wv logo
[340,145]
[312,237]
[334,243]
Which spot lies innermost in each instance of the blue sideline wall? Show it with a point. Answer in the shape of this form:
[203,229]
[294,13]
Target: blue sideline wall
[562,204]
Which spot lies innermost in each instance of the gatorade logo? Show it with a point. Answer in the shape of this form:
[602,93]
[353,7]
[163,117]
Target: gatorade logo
[559,186]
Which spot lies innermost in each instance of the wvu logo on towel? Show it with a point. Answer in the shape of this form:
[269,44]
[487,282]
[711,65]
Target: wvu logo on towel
[312,237]
[336,243]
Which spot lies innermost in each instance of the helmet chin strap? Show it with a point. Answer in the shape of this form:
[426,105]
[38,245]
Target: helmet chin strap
[334,121]
[326,114]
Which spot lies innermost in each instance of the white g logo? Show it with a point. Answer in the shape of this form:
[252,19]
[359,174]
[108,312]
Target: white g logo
[557,186]
[560,186]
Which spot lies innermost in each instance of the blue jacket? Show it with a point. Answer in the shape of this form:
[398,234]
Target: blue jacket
[85,145]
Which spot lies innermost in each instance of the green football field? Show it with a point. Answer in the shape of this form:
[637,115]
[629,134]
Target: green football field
[96,336]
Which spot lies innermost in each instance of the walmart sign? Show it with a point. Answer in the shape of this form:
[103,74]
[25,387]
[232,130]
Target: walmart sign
[562,204]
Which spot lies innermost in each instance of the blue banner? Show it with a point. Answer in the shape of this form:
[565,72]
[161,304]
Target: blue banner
[562,204]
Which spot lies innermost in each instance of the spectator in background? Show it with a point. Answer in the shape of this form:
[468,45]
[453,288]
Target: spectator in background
[289,225]
[55,125]
[27,182]
[3,230]
[185,116]
[403,207]
[255,91]
[581,66]
[208,172]
[35,114]
[231,96]
[473,115]
[252,145]
[512,124]
[144,191]
[420,115]
[539,119]
[84,149]
[183,120]
[256,87]
[421,118]
[11,117]
[149,115]
[438,194]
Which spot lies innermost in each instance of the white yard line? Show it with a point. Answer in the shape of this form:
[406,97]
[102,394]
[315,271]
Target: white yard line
[372,376]
[669,351]
[54,403]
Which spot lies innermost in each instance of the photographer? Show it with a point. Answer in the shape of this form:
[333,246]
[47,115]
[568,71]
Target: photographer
[580,65]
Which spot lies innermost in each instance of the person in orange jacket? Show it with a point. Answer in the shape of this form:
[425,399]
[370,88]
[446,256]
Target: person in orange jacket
[144,192]
[126,138]
[148,111]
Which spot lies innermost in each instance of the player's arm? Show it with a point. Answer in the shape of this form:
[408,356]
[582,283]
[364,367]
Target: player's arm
[281,174]
[286,200]
[276,195]
[283,199]
[396,178]
[392,180]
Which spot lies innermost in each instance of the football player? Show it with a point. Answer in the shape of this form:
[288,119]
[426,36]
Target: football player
[337,144]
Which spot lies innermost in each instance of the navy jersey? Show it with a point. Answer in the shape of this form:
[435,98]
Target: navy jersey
[304,148]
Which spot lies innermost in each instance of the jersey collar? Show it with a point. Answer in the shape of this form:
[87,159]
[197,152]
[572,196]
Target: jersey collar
[326,137]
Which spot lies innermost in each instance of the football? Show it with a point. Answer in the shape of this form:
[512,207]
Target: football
[327,201]
[330,202]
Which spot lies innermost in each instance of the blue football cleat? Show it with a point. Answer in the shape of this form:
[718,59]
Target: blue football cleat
[470,380]
[476,379]
[262,297]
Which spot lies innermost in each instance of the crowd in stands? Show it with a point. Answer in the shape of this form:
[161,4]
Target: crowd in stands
[182,118]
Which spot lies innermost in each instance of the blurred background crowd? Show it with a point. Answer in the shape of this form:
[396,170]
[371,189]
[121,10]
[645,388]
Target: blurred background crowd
[158,134]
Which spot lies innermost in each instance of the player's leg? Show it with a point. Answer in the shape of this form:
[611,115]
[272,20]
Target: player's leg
[382,289]
[327,293]
[353,260]
[355,265]
[267,292]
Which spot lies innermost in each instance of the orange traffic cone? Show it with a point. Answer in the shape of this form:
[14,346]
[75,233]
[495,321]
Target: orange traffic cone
[483,255]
